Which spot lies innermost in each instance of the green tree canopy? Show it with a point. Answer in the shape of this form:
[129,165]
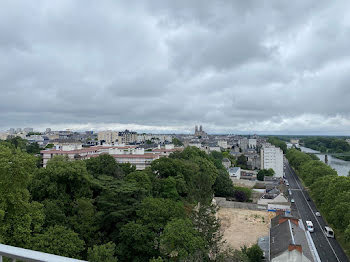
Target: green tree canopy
[180,240]
[102,253]
[59,240]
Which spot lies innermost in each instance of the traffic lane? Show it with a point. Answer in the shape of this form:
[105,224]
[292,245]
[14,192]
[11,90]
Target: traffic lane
[333,242]
[305,213]
[321,244]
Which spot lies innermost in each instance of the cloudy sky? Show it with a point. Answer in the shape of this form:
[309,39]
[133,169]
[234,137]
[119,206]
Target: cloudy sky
[267,66]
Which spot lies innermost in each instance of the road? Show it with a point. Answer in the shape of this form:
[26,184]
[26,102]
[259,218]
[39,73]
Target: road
[328,249]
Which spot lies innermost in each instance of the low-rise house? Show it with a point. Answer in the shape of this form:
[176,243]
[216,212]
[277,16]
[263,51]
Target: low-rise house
[272,198]
[226,163]
[235,172]
[288,242]
[167,150]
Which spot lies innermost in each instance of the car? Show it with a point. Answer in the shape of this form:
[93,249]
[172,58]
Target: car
[309,226]
[292,200]
[318,214]
[329,232]
[308,199]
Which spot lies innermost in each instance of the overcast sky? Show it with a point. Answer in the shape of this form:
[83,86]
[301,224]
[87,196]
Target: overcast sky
[274,66]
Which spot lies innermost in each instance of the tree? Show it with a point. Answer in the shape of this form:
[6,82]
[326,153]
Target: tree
[279,143]
[347,234]
[180,240]
[242,194]
[102,253]
[104,164]
[141,178]
[19,217]
[117,206]
[59,240]
[265,172]
[157,212]
[136,243]
[205,222]
[254,253]
[177,142]
[84,220]
[242,161]
[33,148]
[62,180]
[223,186]
[127,168]
[232,255]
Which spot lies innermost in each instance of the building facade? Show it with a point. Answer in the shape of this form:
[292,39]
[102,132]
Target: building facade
[272,157]
[109,137]
[127,137]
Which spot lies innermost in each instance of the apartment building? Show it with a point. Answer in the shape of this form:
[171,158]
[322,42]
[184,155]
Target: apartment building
[272,157]
[223,144]
[122,154]
[252,143]
[127,137]
[109,137]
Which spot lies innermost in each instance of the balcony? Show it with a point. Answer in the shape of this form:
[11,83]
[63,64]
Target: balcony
[16,253]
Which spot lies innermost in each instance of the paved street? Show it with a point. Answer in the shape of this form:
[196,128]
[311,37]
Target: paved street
[328,249]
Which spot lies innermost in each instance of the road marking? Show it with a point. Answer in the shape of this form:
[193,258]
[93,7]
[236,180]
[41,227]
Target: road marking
[290,170]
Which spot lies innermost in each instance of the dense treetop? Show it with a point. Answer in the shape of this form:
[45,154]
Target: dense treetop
[100,210]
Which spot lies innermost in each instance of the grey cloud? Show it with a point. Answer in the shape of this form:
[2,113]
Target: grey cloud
[265,66]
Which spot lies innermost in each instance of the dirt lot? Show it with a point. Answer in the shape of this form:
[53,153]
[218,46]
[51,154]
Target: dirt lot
[243,227]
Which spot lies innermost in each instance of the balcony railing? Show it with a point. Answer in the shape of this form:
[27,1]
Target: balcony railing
[16,253]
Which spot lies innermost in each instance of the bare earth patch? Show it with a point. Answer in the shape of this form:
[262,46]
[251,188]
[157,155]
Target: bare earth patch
[243,227]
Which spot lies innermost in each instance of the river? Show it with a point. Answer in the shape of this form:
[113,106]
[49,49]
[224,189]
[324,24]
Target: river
[341,166]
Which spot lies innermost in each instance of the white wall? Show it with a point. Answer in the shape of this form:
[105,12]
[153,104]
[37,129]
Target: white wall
[272,157]
[291,256]
[278,199]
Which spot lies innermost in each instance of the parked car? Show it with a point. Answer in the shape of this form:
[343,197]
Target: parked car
[318,214]
[292,200]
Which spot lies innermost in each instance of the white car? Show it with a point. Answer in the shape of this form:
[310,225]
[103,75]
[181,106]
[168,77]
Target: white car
[292,200]
[318,214]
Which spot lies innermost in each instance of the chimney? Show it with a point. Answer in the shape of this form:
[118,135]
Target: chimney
[295,247]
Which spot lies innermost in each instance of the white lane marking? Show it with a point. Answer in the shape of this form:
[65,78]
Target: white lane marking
[312,212]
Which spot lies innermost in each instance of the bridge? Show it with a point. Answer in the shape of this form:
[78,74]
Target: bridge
[331,154]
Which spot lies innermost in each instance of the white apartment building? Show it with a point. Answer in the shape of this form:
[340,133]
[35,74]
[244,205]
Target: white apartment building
[252,143]
[122,154]
[141,138]
[222,143]
[272,157]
